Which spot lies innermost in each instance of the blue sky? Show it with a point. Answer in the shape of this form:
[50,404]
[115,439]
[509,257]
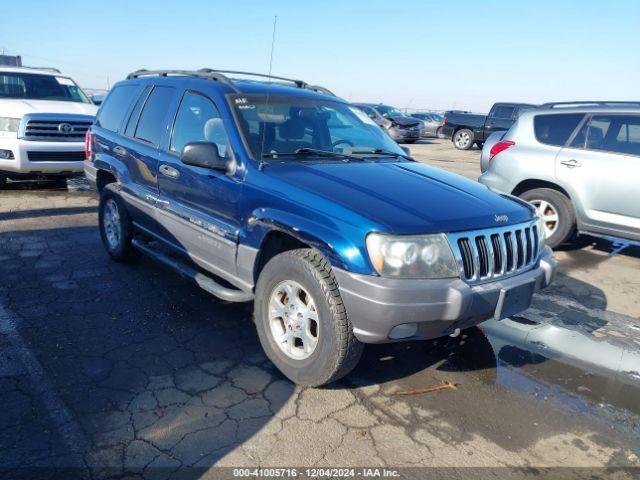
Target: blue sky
[429,54]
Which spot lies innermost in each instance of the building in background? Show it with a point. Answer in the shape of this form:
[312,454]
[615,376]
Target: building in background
[11,60]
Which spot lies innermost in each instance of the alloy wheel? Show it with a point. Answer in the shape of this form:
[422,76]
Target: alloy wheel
[111,221]
[549,216]
[293,320]
[462,139]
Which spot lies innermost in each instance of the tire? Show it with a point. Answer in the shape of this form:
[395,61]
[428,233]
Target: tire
[565,225]
[463,139]
[335,351]
[116,231]
[439,133]
[3,181]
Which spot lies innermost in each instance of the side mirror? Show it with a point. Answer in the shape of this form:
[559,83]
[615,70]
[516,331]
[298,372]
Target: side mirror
[406,150]
[204,154]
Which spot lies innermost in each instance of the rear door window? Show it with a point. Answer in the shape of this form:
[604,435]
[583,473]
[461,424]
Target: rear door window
[556,129]
[116,106]
[152,119]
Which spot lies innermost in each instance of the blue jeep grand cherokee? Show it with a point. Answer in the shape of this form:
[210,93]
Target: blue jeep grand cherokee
[281,193]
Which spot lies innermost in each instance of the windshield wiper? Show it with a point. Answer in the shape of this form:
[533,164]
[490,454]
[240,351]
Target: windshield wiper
[380,151]
[305,152]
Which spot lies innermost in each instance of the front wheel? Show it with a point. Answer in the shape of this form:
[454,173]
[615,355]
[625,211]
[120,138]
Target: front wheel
[301,321]
[463,139]
[557,213]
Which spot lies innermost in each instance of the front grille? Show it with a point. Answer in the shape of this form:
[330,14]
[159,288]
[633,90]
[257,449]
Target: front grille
[56,128]
[56,156]
[495,253]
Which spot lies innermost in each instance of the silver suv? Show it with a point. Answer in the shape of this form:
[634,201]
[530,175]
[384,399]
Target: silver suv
[579,164]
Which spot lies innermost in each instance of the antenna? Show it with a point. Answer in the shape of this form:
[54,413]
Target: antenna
[273,43]
[264,133]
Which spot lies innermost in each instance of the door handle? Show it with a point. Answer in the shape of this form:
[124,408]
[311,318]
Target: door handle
[571,163]
[119,150]
[168,171]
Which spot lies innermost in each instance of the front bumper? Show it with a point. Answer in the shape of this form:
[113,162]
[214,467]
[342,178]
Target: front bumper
[400,135]
[50,157]
[376,305]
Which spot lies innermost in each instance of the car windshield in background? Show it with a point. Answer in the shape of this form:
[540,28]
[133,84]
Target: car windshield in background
[388,111]
[33,86]
[289,125]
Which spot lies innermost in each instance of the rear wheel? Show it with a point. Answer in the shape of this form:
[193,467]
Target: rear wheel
[557,213]
[116,228]
[463,139]
[301,321]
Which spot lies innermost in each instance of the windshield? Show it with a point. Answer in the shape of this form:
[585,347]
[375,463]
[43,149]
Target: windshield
[288,124]
[34,86]
[388,111]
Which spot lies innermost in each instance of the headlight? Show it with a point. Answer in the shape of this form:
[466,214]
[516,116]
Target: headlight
[412,256]
[9,124]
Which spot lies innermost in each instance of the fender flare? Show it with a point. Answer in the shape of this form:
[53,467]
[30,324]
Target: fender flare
[338,249]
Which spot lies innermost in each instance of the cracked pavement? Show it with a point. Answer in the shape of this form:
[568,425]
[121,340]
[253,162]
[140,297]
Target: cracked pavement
[131,371]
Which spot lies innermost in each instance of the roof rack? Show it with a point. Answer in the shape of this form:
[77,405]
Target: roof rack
[221,76]
[297,83]
[590,103]
[203,73]
[48,69]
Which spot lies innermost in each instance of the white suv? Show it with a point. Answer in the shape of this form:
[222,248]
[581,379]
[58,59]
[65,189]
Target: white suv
[44,116]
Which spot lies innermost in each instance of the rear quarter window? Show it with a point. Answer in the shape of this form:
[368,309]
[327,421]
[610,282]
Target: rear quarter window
[116,106]
[556,129]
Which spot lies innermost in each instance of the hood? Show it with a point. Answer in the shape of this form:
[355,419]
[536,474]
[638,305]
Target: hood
[17,108]
[405,121]
[403,198]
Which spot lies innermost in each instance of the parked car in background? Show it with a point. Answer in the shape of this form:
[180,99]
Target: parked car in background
[294,199]
[431,123]
[400,127]
[578,164]
[98,98]
[44,116]
[467,129]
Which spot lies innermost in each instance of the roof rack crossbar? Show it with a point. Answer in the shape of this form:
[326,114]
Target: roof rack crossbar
[589,103]
[204,73]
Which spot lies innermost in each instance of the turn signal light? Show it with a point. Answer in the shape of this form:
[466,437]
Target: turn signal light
[88,140]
